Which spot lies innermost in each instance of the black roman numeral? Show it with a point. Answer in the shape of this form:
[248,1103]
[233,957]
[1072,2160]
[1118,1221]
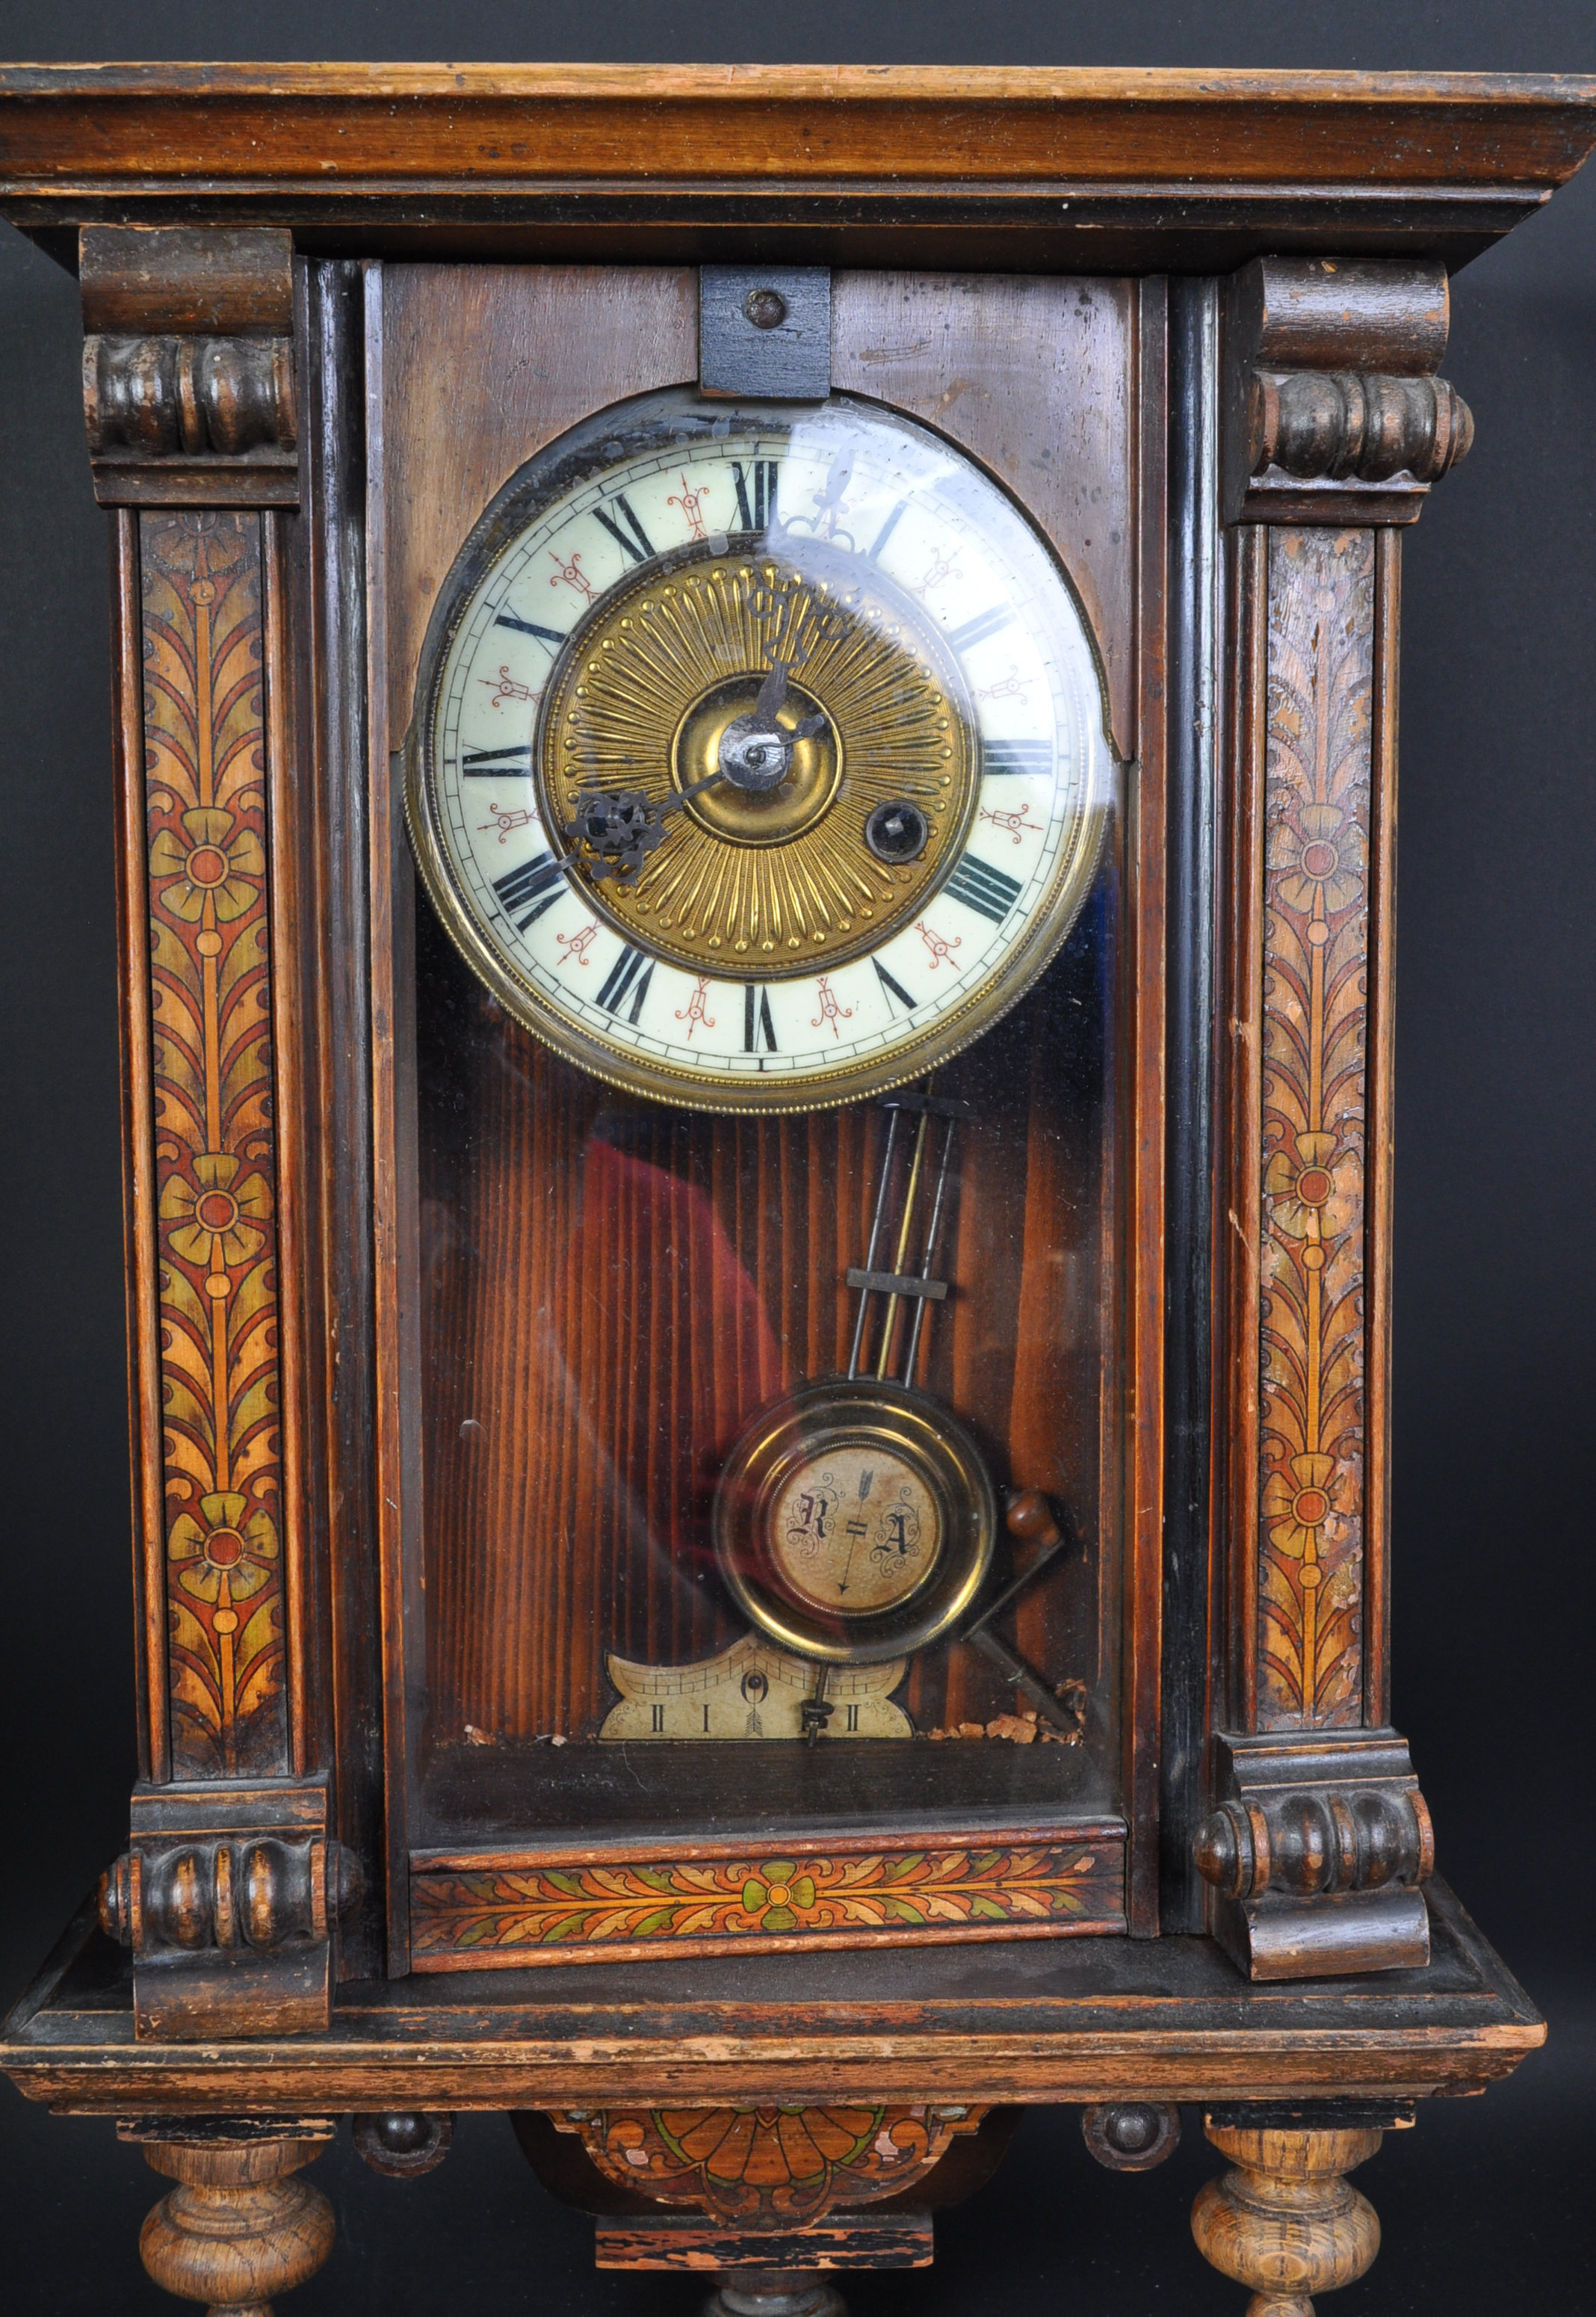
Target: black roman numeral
[536,886]
[1017,757]
[639,546]
[483,763]
[656,1721]
[894,988]
[983,888]
[758,1029]
[528,628]
[757,512]
[977,631]
[887,528]
[628,976]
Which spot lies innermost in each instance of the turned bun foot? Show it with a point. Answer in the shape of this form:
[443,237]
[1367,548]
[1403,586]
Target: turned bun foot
[775,2293]
[236,2229]
[1283,2220]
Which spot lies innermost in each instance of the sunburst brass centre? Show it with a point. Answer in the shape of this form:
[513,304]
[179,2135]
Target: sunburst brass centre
[736,815]
[777,881]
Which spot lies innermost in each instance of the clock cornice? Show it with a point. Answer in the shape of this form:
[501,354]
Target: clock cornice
[1181,170]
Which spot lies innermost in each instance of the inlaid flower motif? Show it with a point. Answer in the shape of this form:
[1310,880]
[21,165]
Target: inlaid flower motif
[217,1214]
[1323,853]
[1302,1503]
[223,1544]
[778,1894]
[1301,1186]
[216,865]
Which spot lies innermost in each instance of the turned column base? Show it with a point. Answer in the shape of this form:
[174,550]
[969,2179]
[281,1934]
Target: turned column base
[236,2229]
[775,2293]
[1283,2220]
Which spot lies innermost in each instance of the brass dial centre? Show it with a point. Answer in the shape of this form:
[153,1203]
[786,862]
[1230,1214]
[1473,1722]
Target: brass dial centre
[771,787]
[768,867]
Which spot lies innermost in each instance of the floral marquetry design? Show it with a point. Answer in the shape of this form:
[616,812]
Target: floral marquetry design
[210,976]
[697,1905]
[1315,1010]
[773,2167]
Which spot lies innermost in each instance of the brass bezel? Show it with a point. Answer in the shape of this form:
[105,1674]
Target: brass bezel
[839,1411]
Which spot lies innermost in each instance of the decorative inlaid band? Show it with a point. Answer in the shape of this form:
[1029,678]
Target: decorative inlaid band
[539,1911]
[1315,960]
[212,1074]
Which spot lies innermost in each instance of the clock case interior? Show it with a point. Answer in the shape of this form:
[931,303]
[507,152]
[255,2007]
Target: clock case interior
[582,1296]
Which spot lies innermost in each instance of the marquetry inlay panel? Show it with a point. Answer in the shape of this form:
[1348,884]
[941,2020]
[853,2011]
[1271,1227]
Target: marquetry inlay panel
[205,776]
[1315,1005]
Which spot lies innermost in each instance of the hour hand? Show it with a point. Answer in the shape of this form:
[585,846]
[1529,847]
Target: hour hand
[773,692]
[773,696]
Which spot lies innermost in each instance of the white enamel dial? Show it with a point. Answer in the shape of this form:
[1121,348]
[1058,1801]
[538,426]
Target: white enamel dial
[632,590]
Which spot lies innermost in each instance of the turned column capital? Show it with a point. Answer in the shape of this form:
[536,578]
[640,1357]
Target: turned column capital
[1333,413]
[188,370]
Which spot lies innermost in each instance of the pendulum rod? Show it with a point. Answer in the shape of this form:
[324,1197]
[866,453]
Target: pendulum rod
[869,1262]
[900,1259]
[899,1285]
[933,1232]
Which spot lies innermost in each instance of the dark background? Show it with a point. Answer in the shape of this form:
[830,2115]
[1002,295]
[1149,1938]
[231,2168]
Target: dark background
[1485,2204]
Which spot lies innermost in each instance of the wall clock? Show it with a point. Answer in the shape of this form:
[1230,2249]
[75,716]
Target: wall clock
[756,849]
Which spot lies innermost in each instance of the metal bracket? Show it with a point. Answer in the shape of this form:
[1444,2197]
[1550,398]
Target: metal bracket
[765,334]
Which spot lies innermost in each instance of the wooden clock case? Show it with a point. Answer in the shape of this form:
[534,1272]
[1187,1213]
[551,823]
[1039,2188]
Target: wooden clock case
[328,312]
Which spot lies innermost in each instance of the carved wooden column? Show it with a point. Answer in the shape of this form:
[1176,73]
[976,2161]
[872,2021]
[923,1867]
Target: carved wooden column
[232,1885]
[1284,2219]
[238,2227]
[1334,430]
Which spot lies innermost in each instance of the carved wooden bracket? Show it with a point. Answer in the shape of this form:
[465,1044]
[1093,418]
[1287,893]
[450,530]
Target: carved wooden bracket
[1339,425]
[147,398]
[1331,412]
[1317,1852]
[229,1896]
[189,366]
[256,1893]
[774,2168]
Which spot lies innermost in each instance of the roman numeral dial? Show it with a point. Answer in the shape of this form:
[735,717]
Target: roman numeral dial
[758,764]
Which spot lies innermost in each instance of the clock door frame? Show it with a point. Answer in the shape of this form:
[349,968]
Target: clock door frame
[604,334]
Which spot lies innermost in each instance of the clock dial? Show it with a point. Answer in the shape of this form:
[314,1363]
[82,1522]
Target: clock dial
[872,744]
[758,756]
